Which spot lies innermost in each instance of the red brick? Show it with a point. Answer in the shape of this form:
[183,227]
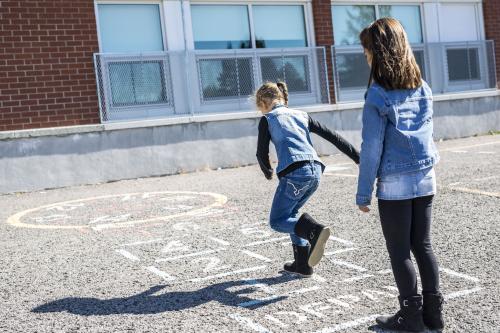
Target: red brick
[491,10]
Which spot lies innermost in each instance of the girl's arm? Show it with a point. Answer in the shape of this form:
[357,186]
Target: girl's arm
[263,141]
[373,133]
[334,138]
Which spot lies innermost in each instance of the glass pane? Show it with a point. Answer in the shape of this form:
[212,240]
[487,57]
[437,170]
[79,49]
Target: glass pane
[291,69]
[220,27]
[353,70]
[130,28]
[348,21]
[135,83]
[409,16]
[279,26]
[463,64]
[226,78]
[420,58]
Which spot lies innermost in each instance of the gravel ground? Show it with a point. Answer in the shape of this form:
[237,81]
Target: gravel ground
[193,253]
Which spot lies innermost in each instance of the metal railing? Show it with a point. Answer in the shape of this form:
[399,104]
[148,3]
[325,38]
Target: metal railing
[194,82]
[447,67]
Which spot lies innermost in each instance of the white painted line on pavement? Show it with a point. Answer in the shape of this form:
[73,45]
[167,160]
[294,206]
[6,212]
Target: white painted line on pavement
[220,241]
[160,273]
[340,251]
[189,255]
[473,191]
[267,241]
[251,269]
[349,324]
[462,293]
[471,146]
[256,255]
[349,265]
[249,323]
[461,275]
[276,321]
[486,152]
[459,151]
[258,301]
[128,255]
[303,290]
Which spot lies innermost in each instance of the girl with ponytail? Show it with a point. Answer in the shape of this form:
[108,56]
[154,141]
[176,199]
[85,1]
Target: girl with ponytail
[299,172]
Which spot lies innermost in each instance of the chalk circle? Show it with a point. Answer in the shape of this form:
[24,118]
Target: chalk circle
[217,200]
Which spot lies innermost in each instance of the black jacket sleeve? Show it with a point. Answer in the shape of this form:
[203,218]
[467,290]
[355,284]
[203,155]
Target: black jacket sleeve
[263,141]
[335,138]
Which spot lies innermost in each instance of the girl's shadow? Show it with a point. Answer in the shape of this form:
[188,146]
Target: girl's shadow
[148,303]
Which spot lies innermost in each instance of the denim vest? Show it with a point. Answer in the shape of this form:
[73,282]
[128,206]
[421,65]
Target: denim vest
[397,135]
[290,135]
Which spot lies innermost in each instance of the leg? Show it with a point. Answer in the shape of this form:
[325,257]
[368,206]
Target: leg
[396,216]
[283,217]
[295,211]
[421,244]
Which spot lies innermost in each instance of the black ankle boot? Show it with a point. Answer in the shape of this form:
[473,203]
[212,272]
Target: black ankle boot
[408,318]
[433,308]
[300,266]
[317,235]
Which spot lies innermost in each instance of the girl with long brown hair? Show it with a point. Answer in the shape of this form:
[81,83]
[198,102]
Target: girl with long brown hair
[399,152]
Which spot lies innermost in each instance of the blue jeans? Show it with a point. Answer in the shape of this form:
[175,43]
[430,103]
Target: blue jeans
[294,189]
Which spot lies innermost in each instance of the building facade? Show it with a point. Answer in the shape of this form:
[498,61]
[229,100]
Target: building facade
[104,81]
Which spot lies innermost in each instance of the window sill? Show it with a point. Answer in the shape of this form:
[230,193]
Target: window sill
[186,119]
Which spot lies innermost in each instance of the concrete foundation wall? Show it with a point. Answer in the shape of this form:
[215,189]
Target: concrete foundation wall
[85,158]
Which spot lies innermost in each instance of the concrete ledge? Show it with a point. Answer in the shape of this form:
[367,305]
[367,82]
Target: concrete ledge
[200,118]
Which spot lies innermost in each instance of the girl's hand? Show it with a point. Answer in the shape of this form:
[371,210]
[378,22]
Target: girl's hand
[364,209]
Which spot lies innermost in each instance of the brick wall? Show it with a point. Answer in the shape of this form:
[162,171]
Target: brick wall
[323,29]
[46,67]
[491,10]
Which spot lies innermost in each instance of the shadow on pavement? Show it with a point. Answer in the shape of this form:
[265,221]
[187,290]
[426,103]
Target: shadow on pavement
[148,303]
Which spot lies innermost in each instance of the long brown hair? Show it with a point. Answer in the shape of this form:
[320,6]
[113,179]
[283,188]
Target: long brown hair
[393,63]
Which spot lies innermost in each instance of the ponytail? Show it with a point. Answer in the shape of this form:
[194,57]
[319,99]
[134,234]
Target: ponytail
[284,90]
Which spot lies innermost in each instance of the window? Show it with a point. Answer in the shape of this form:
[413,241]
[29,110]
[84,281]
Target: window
[291,69]
[229,27]
[463,64]
[348,21]
[130,28]
[351,68]
[220,27]
[226,78]
[279,26]
[133,28]
[409,16]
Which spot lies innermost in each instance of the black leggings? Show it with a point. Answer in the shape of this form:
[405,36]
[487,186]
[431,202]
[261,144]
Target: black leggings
[406,226]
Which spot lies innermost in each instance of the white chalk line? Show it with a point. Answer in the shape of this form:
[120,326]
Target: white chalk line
[348,265]
[256,255]
[473,191]
[190,255]
[272,240]
[470,146]
[457,274]
[340,251]
[249,323]
[385,271]
[246,270]
[461,293]
[220,241]
[128,255]
[356,278]
[160,273]
[349,324]
[273,297]
[144,242]
[343,241]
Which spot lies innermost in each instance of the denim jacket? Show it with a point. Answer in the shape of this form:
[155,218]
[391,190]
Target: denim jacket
[397,135]
[289,131]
